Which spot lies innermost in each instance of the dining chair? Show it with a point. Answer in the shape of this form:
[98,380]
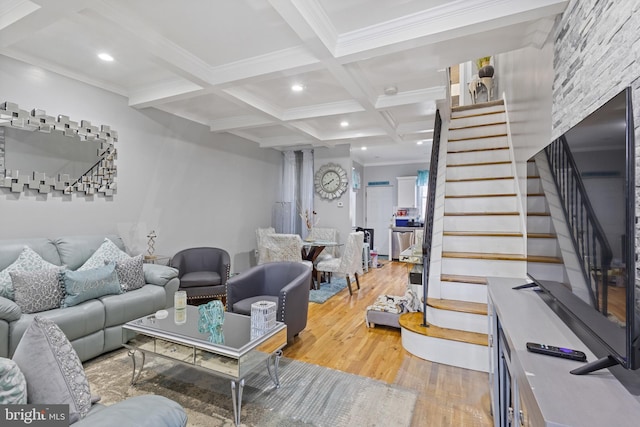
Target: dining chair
[325,234]
[349,264]
[281,247]
[260,233]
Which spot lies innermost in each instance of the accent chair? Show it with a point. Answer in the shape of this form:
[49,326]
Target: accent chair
[203,272]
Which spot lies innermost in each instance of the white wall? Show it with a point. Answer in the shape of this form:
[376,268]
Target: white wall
[390,173]
[329,214]
[191,186]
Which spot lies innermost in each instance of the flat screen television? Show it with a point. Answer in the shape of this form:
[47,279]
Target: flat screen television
[581,233]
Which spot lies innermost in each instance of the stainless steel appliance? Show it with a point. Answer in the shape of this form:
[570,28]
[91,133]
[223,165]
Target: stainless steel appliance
[400,240]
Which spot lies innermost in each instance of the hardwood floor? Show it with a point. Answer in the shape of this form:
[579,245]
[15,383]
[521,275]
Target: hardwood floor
[337,337]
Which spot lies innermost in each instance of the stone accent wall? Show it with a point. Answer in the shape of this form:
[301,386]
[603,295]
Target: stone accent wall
[596,55]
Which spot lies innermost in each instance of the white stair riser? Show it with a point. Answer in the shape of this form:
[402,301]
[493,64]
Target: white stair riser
[534,186]
[457,320]
[537,204]
[463,188]
[475,144]
[447,352]
[478,120]
[479,171]
[477,111]
[546,271]
[481,204]
[483,267]
[475,132]
[484,244]
[463,291]
[506,223]
[542,246]
[539,224]
[478,157]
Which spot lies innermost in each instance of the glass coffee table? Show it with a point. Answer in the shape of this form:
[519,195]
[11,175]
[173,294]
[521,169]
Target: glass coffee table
[241,351]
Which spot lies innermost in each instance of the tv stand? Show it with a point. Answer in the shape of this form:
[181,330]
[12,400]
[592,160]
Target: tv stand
[530,389]
[596,365]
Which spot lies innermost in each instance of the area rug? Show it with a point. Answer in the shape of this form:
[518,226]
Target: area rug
[327,290]
[309,395]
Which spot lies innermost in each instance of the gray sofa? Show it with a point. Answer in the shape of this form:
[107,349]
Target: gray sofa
[95,326]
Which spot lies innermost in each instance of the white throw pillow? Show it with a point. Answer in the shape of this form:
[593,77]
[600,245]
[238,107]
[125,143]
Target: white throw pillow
[28,260]
[108,251]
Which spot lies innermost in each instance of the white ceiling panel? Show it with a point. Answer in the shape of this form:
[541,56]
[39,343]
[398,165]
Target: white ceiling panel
[230,65]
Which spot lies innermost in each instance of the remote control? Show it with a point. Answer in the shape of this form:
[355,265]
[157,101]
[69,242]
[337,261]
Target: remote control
[550,350]
[525,286]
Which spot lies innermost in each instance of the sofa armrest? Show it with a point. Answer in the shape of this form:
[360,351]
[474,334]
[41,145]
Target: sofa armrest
[138,411]
[158,275]
[9,310]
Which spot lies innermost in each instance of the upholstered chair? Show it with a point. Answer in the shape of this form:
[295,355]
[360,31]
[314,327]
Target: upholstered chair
[281,247]
[349,264]
[285,283]
[203,272]
[325,234]
[260,233]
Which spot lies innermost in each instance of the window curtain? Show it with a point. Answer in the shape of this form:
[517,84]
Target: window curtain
[423,177]
[306,189]
[355,179]
[289,191]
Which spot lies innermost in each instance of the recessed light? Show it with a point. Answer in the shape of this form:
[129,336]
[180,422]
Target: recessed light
[363,148]
[344,123]
[105,57]
[419,142]
[297,87]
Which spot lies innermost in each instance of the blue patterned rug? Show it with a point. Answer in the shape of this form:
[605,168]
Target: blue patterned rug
[327,290]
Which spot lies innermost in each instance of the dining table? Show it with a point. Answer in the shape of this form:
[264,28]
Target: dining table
[311,249]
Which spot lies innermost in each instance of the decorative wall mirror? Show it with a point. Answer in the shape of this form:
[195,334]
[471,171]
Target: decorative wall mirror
[43,153]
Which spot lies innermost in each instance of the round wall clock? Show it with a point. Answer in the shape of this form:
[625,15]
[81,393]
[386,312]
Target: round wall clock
[331,181]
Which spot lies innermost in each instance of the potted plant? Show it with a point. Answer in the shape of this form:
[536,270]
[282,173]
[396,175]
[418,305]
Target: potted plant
[485,69]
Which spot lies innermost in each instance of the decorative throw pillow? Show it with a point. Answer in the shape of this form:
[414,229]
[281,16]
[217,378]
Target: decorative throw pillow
[130,273]
[13,386]
[108,251]
[81,286]
[52,368]
[28,260]
[39,290]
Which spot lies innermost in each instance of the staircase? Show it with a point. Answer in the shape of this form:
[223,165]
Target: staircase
[481,236]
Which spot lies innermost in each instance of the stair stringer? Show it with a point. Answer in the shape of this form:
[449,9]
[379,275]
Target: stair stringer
[572,269]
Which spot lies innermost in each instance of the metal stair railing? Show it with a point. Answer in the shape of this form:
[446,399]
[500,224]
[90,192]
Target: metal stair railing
[588,237]
[428,220]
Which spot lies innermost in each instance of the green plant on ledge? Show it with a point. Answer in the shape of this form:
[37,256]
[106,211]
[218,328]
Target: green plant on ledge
[481,62]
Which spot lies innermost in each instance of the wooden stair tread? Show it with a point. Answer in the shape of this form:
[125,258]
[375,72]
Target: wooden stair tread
[477,106]
[480,213]
[477,150]
[542,235]
[546,259]
[535,195]
[502,122]
[538,214]
[474,280]
[482,255]
[413,323]
[506,162]
[470,196]
[488,178]
[459,306]
[483,234]
[493,135]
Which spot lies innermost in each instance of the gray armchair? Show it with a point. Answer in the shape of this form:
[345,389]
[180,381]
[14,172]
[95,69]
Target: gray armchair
[285,283]
[203,272]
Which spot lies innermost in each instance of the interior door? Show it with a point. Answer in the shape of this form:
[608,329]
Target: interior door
[378,215]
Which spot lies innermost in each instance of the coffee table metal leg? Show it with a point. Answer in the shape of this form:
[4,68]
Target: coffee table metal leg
[134,376]
[276,362]
[237,399]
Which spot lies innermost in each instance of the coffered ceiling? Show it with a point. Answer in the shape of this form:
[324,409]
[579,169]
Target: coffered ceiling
[378,65]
